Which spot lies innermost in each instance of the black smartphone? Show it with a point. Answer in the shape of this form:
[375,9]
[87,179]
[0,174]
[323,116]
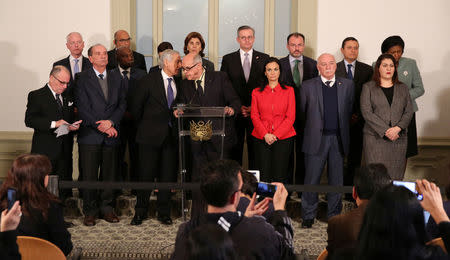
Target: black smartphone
[12,197]
[265,189]
[410,186]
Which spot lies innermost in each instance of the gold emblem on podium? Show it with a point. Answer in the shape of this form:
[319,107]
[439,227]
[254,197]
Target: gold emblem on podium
[201,131]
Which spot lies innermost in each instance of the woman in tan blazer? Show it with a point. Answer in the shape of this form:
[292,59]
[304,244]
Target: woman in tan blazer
[387,109]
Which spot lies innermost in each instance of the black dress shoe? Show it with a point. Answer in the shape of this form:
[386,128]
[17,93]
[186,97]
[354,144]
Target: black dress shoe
[137,220]
[166,220]
[68,224]
[307,223]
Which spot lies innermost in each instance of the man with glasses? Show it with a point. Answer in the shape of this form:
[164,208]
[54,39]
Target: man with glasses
[208,89]
[122,38]
[245,69]
[150,106]
[48,109]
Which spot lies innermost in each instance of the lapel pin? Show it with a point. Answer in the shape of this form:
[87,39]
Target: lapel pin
[405,73]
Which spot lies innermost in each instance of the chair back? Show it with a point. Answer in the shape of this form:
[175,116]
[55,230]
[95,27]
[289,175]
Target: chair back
[323,255]
[438,242]
[33,248]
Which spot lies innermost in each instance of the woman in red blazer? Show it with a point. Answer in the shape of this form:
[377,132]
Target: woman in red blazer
[273,116]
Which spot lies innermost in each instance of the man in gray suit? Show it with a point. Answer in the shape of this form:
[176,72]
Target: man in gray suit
[326,102]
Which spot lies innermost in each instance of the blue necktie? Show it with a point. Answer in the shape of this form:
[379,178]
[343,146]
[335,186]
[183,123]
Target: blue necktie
[76,69]
[349,71]
[169,92]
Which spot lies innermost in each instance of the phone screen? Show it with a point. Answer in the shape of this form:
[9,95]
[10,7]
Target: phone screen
[12,197]
[410,186]
[265,189]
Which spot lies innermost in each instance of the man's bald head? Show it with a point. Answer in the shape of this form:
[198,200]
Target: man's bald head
[192,66]
[122,38]
[326,64]
[124,57]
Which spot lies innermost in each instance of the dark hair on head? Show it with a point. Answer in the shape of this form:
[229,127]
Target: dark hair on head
[90,50]
[369,179]
[348,39]
[164,46]
[249,183]
[210,241]
[194,35]
[27,176]
[265,81]
[219,181]
[376,72]
[296,35]
[392,41]
[245,27]
[393,226]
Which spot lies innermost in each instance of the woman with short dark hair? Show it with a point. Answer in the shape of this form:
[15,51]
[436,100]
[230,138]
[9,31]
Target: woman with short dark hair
[194,43]
[387,111]
[42,211]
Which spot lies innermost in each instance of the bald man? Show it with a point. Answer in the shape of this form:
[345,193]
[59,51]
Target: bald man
[327,103]
[123,39]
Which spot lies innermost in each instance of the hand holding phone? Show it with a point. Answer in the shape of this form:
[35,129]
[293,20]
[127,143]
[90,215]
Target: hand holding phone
[265,189]
[11,197]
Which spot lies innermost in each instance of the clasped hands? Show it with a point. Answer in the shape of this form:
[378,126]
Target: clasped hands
[270,138]
[392,133]
[105,126]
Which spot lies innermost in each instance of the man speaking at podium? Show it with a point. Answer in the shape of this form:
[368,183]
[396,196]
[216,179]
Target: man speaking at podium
[208,89]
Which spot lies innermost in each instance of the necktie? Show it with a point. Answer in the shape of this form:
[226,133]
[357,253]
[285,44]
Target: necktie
[328,83]
[125,80]
[60,105]
[169,92]
[101,76]
[199,87]
[349,71]
[76,69]
[246,67]
[296,74]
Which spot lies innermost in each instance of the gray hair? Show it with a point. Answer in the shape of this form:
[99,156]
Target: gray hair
[198,59]
[57,69]
[166,55]
[72,33]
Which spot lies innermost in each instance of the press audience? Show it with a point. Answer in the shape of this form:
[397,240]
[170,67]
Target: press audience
[9,221]
[394,228]
[249,186]
[42,211]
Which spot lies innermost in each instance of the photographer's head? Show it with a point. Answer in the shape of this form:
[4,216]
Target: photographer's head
[220,184]
[369,179]
[249,184]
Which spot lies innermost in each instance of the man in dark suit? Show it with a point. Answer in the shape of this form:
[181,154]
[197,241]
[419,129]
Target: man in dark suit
[297,68]
[122,38]
[245,69]
[150,106]
[161,47]
[343,229]
[75,62]
[47,110]
[101,104]
[327,103]
[360,73]
[208,89]
[130,77]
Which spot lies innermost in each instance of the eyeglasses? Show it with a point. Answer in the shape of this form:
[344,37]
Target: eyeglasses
[189,68]
[125,40]
[61,82]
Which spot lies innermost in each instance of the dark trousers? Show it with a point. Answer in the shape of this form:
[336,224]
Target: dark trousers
[161,163]
[244,128]
[128,136]
[355,152]
[273,160]
[329,152]
[92,158]
[299,158]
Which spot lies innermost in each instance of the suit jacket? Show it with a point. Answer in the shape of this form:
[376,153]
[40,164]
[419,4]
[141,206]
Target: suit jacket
[139,60]
[409,73]
[311,102]
[232,66]
[208,65]
[154,68]
[363,73]
[343,230]
[148,106]
[218,92]
[377,112]
[42,109]
[86,65]
[309,72]
[92,106]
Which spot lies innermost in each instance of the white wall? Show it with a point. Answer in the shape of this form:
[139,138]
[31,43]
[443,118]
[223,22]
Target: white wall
[33,37]
[423,25]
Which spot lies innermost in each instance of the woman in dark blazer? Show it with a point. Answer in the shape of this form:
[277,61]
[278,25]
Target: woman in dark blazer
[273,116]
[387,109]
[194,43]
[42,212]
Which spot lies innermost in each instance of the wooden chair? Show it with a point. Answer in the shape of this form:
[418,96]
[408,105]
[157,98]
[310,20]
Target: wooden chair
[323,255]
[438,242]
[33,248]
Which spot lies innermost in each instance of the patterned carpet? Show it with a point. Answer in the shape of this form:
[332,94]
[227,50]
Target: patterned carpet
[153,240]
